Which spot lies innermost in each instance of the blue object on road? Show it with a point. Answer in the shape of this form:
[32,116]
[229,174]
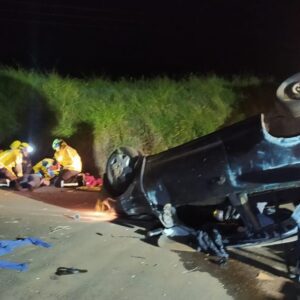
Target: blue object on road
[7,246]
[13,265]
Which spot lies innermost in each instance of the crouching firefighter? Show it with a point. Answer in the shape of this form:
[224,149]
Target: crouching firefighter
[70,163]
[43,174]
[11,168]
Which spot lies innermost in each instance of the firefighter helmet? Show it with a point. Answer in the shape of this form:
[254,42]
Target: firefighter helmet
[56,144]
[15,145]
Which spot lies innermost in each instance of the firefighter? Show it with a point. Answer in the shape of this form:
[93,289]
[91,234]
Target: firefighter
[47,168]
[44,171]
[11,165]
[70,162]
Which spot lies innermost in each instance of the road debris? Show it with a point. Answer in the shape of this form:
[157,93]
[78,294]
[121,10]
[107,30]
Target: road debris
[75,217]
[190,271]
[89,188]
[68,271]
[58,228]
[11,222]
[125,236]
[8,246]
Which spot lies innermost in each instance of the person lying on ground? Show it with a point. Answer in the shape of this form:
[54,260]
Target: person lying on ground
[43,173]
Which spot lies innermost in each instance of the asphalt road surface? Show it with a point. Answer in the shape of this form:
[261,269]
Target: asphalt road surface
[120,262]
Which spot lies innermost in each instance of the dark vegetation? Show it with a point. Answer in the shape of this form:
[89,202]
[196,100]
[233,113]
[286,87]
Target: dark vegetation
[97,114]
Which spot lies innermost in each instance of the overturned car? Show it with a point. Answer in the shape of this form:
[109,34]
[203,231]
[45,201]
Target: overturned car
[242,181]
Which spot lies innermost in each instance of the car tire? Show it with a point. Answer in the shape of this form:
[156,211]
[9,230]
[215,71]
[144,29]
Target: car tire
[120,170]
[288,94]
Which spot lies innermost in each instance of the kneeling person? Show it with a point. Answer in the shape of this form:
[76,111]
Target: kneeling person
[44,171]
[11,165]
[70,162]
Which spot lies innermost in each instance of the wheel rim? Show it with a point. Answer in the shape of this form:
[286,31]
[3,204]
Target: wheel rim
[119,167]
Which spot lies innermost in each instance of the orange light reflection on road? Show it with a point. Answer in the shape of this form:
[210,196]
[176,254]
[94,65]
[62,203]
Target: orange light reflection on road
[97,216]
[104,211]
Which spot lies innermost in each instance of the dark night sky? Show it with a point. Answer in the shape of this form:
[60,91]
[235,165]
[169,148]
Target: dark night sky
[150,37]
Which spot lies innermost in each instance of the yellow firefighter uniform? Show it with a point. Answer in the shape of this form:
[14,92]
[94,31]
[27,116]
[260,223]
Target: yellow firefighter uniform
[46,168]
[68,158]
[10,159]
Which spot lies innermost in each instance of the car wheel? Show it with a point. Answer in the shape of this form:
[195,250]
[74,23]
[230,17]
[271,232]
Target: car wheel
[120,169]
[289,94]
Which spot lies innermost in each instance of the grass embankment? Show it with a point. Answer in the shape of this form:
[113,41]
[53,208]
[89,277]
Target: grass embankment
[148,114]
